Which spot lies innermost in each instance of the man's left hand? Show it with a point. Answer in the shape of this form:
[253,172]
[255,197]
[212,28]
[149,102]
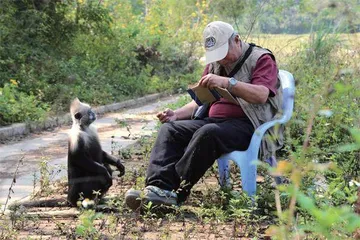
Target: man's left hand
[211,80]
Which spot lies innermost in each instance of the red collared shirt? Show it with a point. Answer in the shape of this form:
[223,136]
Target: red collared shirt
[265,73]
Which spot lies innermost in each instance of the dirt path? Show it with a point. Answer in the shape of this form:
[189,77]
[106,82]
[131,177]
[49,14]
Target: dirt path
[52,147]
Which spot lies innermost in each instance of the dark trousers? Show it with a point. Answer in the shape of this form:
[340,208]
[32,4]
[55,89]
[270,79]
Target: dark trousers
[185,149]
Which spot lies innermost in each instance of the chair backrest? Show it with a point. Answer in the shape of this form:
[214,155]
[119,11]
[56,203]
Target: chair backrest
[288,86]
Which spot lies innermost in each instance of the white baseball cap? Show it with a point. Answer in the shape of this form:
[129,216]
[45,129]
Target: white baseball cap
[216,40]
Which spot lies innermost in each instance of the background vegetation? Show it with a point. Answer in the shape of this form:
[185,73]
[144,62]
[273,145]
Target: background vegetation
[106,51]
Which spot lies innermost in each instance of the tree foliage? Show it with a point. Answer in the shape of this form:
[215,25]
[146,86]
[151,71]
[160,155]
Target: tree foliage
[289,16]
[99,51]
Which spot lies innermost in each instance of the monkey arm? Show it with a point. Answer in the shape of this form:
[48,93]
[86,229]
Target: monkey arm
[95,167]
[107,158]
[84,160]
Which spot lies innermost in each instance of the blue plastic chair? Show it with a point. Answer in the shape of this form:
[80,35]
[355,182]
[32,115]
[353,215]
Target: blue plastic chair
[246,159]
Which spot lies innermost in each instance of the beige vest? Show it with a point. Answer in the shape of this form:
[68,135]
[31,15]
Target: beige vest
[258,113]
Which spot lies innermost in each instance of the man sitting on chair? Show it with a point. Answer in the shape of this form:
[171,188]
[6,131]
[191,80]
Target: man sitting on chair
[186,148]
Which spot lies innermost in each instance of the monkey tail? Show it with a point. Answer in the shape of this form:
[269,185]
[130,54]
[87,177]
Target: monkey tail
[57,202]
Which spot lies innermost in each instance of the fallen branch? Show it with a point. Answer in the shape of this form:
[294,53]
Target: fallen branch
[56,202]
[70,213]
[62,202]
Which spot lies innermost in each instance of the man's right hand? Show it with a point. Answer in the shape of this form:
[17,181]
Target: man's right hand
[167,116]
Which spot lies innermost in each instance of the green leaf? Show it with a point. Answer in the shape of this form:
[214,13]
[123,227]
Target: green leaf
[348,147]
[341,88]
[355,133]
[80,230]
[305,202]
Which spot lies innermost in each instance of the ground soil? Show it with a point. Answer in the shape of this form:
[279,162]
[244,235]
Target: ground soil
[62,222]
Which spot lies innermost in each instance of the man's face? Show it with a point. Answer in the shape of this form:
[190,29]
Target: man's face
[233,54]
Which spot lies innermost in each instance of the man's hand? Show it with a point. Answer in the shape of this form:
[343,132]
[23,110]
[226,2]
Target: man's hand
[167,116]
[211,80]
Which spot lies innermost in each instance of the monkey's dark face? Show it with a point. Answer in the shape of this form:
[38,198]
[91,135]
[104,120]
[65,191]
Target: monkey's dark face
[81,113]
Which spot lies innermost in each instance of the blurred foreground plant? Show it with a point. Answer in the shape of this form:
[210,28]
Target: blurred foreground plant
[322,158]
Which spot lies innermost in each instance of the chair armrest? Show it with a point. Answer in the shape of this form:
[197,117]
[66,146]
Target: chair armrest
[261,130]
[288,87]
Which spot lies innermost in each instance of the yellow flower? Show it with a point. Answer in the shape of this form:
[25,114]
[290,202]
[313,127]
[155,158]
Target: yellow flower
[14,82]
[282,168]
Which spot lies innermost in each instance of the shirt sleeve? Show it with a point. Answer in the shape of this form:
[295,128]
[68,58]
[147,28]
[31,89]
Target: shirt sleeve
[265,73]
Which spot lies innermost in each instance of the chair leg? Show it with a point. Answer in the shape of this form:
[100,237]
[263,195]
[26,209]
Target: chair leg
[224,177]
[248,176]
[273,163]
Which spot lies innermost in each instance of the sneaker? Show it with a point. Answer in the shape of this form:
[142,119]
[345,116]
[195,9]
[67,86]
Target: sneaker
[133,198]
[160,196]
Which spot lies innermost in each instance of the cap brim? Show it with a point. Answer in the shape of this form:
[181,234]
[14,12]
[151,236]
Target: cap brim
[217,54]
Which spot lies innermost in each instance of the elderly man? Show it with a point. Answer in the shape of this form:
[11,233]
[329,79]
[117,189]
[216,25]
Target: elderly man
[185,149]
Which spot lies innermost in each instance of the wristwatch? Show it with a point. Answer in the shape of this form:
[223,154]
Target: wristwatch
[232,83]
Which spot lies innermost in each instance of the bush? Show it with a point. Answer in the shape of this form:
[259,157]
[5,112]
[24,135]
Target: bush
[326,112]
[100,53]
[323,93]
[16,106]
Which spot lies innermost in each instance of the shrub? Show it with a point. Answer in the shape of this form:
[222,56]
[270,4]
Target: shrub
[326,108]
[16,106]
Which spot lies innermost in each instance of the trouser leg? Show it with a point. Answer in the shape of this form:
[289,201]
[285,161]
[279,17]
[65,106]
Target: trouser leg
[169,147]
[207,144]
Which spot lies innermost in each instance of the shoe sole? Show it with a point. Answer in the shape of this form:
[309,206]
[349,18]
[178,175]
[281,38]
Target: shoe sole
[133,200]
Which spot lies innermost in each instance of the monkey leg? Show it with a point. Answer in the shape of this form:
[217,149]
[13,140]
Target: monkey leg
[91,187]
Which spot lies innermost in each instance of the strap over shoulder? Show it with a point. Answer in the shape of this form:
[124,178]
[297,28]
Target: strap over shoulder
[239,64]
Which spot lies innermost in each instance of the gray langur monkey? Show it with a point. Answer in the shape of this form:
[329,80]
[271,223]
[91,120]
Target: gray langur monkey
[88,165]
[89,171]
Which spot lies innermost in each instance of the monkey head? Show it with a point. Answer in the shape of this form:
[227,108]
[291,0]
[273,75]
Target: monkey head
[81,113]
